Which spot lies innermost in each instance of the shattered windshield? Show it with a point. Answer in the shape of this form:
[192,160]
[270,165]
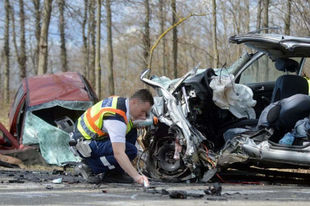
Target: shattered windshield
[41,127]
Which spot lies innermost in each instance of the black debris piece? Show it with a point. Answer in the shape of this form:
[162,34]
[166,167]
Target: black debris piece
[178,195]
[16,181]
[164,192]
[57,172]
[49,187]
[216,190]
[8,165]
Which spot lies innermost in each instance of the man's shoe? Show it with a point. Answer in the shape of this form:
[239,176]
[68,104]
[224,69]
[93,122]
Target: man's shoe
[86,173]
[116,177]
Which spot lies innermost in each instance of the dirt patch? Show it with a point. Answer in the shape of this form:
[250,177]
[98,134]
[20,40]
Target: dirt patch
[4,114]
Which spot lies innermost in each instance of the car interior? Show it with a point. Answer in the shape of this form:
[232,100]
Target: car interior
[59,117]
[285,114]
[288,85]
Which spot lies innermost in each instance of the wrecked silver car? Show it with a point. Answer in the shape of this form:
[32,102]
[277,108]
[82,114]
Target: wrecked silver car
[214,118]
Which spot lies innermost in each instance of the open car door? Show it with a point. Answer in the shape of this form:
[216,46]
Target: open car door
[7,141]
[262,74]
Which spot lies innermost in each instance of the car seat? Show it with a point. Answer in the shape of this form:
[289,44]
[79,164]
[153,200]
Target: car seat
[288,85]
[283,115]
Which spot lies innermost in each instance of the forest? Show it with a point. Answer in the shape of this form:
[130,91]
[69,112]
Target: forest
[110,41]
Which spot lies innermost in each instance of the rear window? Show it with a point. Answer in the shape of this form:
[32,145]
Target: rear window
[263,70]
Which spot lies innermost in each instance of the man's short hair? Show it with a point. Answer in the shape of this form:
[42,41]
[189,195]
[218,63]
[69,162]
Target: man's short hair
[144,95]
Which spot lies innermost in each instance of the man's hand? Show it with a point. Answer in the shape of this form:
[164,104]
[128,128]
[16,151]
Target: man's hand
[124,162]
[141,179]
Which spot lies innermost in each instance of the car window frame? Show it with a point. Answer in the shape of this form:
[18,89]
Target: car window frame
[255,58]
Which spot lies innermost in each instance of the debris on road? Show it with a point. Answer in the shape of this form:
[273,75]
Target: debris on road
[178,195]
[57,181]
[216,190]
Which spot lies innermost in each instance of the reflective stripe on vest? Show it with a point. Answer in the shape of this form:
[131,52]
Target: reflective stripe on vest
[89,124]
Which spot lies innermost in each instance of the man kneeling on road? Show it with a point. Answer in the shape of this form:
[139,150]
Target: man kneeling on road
[106,139]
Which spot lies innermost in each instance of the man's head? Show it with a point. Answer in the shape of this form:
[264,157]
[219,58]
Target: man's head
[140,104]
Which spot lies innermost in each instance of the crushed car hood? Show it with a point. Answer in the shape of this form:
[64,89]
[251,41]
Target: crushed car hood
[275,45]
[61,86]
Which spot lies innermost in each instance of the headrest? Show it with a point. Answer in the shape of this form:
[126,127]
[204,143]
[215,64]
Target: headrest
[289,65]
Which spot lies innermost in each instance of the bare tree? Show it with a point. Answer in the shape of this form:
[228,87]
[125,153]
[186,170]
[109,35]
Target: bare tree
[214,36]
[36,4]
[268,72]
[266,13]
[20,53]
[162,30]
[23,58]
[258,27]
[146,34]
[63,50]
[259,15]
[110,48]
[43,50]
[287,20]
[247,15]
[92,41]
[97,60]
[6,86]
[174,39]
[85,44]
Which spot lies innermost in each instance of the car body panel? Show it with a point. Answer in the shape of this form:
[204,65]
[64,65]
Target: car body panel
[276,46]
[50,87]
[7,141]
[257,147]
[230,139]
[44,110]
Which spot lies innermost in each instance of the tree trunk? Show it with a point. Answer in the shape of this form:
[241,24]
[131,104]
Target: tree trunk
[288,18]
[6,86]
[265,19]
[23,58]
[20,53]
[36,4]
[42,65]
[63,50]
[239,24]
[174,39]
[97,60]
[259,15]
[162,30]
[248,17]
[268,71]
[92,47]
[214,36]
[226,56]
[146,35]
[110,48]
[258,27]
[85,47]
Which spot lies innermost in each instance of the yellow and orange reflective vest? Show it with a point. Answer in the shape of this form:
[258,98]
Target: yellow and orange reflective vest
[91,122]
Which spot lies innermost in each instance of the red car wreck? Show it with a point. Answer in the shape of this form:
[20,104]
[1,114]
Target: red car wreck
[43,113]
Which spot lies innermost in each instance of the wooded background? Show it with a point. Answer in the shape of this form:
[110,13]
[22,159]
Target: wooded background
[109,41]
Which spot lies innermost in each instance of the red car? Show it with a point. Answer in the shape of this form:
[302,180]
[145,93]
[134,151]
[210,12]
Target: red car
[43,112]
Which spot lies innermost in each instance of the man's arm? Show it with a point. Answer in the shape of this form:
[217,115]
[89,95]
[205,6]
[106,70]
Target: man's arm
[124,162]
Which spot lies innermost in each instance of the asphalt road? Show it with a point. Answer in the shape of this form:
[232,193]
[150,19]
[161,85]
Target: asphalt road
[37,188]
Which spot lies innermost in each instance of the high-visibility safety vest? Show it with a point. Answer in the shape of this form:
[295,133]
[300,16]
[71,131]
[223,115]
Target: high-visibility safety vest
[91,122]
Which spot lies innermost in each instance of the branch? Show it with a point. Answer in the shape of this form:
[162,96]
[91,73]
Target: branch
[163,34]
